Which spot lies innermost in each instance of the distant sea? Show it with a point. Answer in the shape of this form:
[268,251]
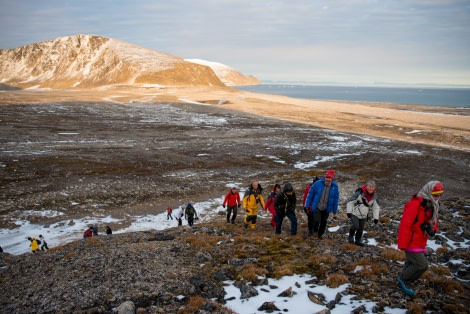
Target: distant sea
[433,97]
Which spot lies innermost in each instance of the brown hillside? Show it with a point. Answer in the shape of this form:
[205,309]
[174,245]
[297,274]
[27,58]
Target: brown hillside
[86,61]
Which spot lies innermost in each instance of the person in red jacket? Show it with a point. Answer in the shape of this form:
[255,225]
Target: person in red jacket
[269,204]
[419,221]
[88,233]
[232,200]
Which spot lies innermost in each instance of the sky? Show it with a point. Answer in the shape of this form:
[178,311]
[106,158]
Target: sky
[352,42]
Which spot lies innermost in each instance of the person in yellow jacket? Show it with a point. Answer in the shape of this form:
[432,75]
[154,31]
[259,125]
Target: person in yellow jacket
[251,200]
[34,244]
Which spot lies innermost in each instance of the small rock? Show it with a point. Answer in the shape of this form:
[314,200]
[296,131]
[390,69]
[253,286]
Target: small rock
[287,293]
[248,292]
[127,307]
[316,298]
[268,307]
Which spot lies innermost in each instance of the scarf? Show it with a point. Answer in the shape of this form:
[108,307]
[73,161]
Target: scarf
[425,193]
[368,196]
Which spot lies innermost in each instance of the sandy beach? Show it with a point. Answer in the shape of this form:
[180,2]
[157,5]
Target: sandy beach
[440,127]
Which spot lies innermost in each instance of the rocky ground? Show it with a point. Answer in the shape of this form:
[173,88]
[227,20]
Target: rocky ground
[182,270]
[138,158]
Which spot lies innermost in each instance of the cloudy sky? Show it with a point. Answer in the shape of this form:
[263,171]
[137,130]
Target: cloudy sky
[337,41]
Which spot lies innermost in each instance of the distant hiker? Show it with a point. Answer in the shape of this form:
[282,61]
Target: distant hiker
[34,244]
[168,213]
[284,204]
[269,204]
[251,200]
[1,250]
[108,230]
[43,243]
[190,214]
[95,230]
[323,197]
[232,200]
[179,216]
[418,222]
[88,233]
[357,208]
[309,210]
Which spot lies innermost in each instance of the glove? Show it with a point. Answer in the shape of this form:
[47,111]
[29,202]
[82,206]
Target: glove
[376,221]
[349,215]
[223,205]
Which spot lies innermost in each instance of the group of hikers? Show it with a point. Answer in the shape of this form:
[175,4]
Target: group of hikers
[189,213]
[92,231]
[321,198]
[38,244]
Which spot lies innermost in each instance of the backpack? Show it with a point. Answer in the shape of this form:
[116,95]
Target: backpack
[38,242]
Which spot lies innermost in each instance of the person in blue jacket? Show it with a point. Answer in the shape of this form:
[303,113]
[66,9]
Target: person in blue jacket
[323,197]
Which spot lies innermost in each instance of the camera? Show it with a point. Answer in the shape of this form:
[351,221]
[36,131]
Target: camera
[428,229]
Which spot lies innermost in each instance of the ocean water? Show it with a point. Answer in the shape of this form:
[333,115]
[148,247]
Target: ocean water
[433,97]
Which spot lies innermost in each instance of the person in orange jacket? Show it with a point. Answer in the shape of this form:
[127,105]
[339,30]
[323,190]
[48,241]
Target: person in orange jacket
[418,222]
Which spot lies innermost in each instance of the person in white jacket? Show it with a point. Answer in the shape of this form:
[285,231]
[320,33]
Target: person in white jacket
[357,208]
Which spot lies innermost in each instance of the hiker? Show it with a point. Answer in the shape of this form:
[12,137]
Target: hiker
[88,233]
[179,216]
[43,243]
[1,250]
[251,199]
[168,213]
[190,214]
[108,230]
[357,208]
[34,244]
[95,230]
[309,210]
[232,200]
[284,204]
[269,204]
[323,197]
[418,222]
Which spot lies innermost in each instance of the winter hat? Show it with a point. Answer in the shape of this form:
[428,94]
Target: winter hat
[330,174]
[288,188]
[438,189]
[427,191]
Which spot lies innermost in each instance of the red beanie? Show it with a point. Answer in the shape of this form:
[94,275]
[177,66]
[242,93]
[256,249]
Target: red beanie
[438,189]
[330,174]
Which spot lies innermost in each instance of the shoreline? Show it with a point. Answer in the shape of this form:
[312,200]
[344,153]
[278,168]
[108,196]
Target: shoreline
[435,126]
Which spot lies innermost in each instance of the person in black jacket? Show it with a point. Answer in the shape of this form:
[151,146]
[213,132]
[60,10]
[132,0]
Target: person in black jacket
[284,204]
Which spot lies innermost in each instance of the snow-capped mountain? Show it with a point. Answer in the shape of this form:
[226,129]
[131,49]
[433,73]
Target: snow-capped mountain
[86,61]
[229,76]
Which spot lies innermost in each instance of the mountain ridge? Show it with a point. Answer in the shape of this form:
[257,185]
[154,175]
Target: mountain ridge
[88,61]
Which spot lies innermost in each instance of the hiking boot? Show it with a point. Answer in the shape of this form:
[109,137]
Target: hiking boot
[233,221]
[351,236]
[320,237]
[359,243]
[402,287]
[245,223]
